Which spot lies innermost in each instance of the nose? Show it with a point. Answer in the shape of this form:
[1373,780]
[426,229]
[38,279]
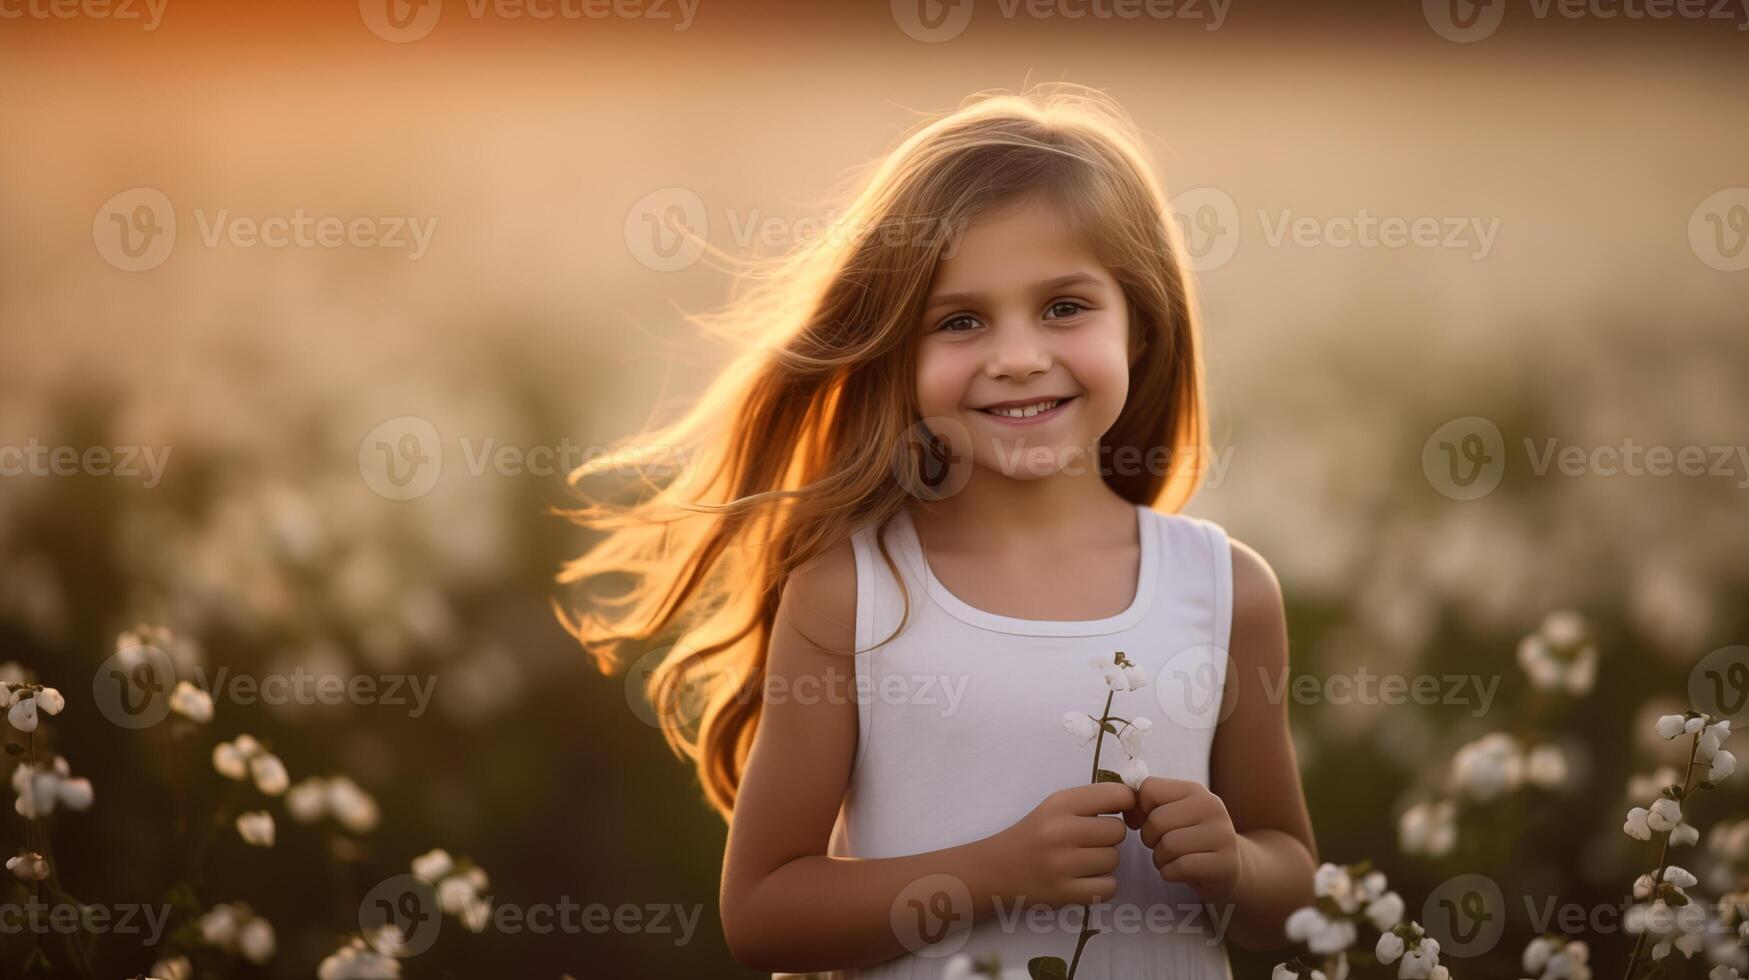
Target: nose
[1018,352]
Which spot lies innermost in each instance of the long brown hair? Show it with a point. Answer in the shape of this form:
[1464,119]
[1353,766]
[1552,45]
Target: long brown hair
[798,442]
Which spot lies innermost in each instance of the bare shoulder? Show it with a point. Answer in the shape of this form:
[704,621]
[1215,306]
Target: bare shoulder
[1259,613]
[819,598]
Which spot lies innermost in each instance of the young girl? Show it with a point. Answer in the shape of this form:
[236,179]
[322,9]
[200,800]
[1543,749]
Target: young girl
[918,520]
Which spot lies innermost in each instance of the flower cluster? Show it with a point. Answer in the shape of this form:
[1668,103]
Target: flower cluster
[1555,957]
[365,959]
[1349,897]
[42,788]
[1120,675]
[459,887]
[338,797]
[1560,656]
[235,928]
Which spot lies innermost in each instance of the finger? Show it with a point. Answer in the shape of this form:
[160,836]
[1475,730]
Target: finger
[1194,869]
[1187,812]
[1092,862]
[1097,798]
[1135,816]
[1184,841]
[1100,831]
[1160,790]
[1095,890]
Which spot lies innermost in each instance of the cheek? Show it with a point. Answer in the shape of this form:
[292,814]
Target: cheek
[941,381]
[1102,366]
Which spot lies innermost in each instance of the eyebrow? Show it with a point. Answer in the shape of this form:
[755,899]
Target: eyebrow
[1061,282]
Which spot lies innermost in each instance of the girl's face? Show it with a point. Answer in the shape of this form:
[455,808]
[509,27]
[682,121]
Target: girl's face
[1022,316]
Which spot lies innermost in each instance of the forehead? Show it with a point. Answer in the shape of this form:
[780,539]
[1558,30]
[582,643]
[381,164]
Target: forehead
[1014,247]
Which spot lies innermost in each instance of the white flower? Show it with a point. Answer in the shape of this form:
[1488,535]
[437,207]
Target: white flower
[1638,825]
[255,940]
[1283,972]
[230,762]
[1670,726]
[958,968]
[358,961]
[1372,885]
[1546,766]
[1488,767]
[356,810]
[41,789]
[1537,953]
[1131,735]
[269,773]
[1712,737]
[1685,833]
[433,864]
[256,827]
[218,927]
[1643,886]
[1385,911]
[1564,628]
[1418,963]
[1428,828]
[308,800]
[173,968]
[1136,678]
[1134,773]
[23,714]
[1664,815]
[1558,657]
[1081,725]
[1724,763]
[1113,674]
[1389,948]
[1648,785]
[28,866]
[1321,935]
[1680,877]
[191,702]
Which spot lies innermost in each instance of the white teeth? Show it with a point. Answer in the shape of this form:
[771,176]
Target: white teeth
[1026,412]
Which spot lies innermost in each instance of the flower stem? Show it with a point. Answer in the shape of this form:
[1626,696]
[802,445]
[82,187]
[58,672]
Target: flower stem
[1087,910]
[1664,851]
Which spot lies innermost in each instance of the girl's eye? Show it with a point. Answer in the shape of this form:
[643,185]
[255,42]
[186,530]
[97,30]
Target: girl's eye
[961,318]
[1072,306]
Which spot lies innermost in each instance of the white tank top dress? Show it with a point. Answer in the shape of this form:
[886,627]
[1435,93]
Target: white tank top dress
[960,734]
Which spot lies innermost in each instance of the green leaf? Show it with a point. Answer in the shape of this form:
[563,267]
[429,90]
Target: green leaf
[1108,726]
[1107,776]
[1047,968]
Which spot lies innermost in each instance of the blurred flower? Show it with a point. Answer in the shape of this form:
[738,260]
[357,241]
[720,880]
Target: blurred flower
[28,866]
[256,827]
[1320,933]
[1428,829]
[358,960]
[1081,726]
[1559,656]
[1545,766]
[41,789]
[1119,673]
[235,928]
[1681,928]
[192,703]
[458,887]
[339,797]
[1554,958]
[26,702]
[245,757]
[1131,735]
[173,968]
[1385,911]
[1488,767]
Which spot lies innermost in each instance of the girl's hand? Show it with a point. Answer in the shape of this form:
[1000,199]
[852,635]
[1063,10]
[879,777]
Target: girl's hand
[1065,852]
[1191,835]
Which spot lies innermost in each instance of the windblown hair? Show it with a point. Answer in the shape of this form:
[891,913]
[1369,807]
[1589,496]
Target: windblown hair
[800,440]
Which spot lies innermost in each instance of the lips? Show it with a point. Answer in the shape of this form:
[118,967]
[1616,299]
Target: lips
[1021,406]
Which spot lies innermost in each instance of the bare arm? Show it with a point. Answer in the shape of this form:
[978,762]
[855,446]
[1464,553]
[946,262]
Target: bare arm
[786,905]
[1253,768]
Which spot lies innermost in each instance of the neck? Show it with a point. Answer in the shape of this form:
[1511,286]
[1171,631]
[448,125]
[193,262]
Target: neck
[1063,509]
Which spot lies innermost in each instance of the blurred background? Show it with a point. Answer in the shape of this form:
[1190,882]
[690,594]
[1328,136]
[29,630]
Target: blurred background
[365,279]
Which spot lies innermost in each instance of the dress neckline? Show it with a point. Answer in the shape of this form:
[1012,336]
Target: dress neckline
[1147,530]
